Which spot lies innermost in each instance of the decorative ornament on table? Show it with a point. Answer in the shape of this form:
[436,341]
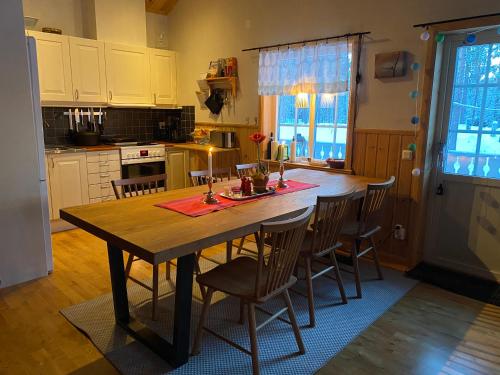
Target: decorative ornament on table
[261,176]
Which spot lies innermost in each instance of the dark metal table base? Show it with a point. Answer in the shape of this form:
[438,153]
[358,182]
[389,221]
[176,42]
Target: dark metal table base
[176,353]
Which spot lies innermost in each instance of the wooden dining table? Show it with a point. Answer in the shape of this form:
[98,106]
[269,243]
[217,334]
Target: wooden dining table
[156,235]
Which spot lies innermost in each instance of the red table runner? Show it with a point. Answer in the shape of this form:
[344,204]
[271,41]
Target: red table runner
[194,206]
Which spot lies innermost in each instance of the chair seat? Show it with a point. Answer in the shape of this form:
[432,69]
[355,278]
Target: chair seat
[236,278]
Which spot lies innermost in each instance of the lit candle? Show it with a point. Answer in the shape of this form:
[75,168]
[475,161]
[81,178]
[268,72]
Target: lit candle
[210,162]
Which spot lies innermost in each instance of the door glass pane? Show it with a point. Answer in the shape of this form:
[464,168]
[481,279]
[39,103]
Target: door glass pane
[473,141]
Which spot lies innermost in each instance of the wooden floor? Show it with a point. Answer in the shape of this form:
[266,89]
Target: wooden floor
[430,331]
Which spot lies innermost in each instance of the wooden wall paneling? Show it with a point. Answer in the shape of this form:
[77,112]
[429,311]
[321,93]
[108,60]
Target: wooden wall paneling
[358,164]
[370,155]
[382,155]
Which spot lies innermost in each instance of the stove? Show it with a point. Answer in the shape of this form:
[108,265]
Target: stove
[137,153]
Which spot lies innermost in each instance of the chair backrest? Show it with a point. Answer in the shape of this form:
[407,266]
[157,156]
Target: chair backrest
[373,200]
[129,187]
[246,170]
[201,177]
[330,215]
[285,239]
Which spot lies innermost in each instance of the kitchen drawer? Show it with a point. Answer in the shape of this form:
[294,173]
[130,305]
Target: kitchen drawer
[102,199]
[103,166]
[103,177]
[100,190]
[103,156]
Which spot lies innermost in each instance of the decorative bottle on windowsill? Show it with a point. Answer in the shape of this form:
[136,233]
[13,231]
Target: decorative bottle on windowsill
[261,176]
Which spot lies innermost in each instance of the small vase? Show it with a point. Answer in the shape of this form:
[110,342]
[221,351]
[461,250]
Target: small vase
[259,182]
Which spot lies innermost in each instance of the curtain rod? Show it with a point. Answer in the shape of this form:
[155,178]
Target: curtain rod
[306,41]
[456,19]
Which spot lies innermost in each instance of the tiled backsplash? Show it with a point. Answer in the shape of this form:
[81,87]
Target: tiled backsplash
[140,123]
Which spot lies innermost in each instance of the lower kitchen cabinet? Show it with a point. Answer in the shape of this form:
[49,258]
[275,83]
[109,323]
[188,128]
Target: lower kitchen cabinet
[102,168]
[177,168]
[68,182]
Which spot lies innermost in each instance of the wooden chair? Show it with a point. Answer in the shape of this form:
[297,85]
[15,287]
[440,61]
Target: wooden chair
[246,170]
[201,177]
[322,240]
[131,187]
[364,228]
[255,281]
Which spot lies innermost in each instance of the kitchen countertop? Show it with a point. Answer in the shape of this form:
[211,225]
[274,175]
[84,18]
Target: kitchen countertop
[65,149]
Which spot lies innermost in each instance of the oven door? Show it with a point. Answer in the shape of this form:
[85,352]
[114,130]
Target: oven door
[144,169]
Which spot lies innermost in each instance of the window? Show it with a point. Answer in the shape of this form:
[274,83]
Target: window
[473,141]
[325,122]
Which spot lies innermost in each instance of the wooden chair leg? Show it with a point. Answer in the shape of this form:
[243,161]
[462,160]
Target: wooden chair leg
[252,330]
[155,293]
[310,295]
[355,264]
[240,246]
[128,267]
[293,320]
[229,251]
[340,283]
[204,312]
[242,311]
[256,235]
[167,271]
[376,259]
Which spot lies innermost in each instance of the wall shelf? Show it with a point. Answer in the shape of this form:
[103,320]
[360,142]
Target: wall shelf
[224,83]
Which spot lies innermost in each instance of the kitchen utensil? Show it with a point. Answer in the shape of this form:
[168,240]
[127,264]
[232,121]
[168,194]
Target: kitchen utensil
[215,102]
[87,138]
[70,120]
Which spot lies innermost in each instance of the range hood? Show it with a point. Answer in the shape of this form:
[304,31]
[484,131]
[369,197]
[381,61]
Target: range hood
[122,22]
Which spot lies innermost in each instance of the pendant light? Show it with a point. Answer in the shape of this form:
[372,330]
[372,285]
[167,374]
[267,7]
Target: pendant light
[302,100]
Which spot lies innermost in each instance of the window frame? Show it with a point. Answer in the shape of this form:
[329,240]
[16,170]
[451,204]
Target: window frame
[268,110]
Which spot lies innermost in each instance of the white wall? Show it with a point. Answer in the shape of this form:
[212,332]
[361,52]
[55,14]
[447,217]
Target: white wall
[202,31]
[22,254]
[67,15]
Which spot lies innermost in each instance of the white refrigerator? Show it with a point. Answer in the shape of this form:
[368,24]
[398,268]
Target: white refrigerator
[25,243]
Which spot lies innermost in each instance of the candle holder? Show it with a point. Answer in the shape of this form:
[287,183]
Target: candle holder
[281,182]
[210,198]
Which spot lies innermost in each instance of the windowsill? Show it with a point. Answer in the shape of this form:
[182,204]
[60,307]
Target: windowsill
[308,165]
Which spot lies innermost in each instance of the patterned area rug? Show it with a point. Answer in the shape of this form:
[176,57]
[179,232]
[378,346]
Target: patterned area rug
[336,326]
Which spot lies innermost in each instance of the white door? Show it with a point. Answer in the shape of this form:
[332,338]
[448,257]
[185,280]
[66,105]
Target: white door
[54,67]
[177,169]
[464,222]
[68,181]
[88,70]
[163,76]
[127,74]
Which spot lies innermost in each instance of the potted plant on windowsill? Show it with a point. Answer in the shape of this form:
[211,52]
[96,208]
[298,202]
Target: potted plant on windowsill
[261,176]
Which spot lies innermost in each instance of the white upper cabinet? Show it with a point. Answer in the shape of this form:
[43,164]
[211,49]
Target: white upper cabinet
[127,74]
[54,67]
[163,76]
[88,69]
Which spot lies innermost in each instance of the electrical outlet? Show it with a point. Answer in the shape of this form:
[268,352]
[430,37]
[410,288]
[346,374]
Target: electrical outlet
[161,125]
[399,232]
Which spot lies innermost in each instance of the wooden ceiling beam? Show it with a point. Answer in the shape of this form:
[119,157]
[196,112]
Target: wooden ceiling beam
[160,6]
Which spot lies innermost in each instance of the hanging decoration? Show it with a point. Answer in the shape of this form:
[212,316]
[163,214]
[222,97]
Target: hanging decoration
[470,38]
[425,35]
[440,37]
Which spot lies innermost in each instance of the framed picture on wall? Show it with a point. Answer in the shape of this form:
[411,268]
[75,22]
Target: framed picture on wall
[390,64]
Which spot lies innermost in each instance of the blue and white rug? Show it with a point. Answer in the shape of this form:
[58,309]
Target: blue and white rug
[336,326]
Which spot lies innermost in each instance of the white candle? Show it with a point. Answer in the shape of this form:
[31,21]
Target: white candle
[274,150]
[293,150]
[210,162]
[282,159]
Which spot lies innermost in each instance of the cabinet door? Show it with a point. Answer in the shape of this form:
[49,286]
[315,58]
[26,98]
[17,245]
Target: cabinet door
[163,76]
[54,67]
[177,169]
[88,70]
[68,182]
[127,74]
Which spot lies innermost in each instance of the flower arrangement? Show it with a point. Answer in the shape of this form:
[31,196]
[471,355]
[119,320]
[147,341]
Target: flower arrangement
[258,138]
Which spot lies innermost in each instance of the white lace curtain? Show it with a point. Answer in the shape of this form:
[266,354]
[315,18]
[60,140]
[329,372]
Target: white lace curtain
[311,69]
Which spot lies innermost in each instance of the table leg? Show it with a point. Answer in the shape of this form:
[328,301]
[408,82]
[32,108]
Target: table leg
[177,353]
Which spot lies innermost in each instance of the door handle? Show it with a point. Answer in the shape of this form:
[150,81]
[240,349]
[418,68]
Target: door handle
[440,190]
[154,97]
[77,95]
[110,95]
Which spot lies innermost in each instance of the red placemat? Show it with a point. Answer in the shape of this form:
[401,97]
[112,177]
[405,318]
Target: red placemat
[194,206]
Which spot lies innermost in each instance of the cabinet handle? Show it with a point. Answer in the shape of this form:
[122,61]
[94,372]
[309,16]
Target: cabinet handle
[77,96]
[155,97]
[110,95]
